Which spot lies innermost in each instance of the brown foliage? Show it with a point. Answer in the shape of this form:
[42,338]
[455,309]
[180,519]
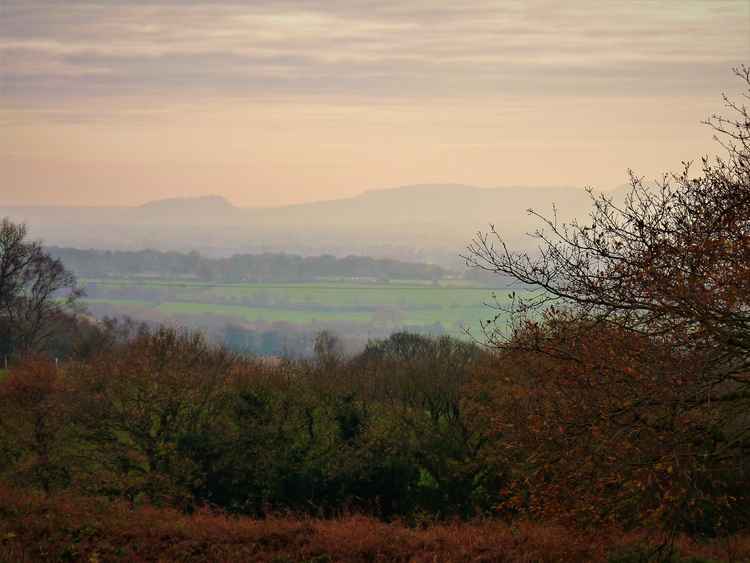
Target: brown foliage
[605,426]
[631,366]
[77,529]
[35,408]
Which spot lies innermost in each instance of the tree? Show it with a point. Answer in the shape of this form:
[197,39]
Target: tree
[425,382]
[34,425]
[148,403]
[638,342]
[34,289]
[328,350]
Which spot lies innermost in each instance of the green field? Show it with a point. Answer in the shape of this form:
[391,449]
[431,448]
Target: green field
[456,307]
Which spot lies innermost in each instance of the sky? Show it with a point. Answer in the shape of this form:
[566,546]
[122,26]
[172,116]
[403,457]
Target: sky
[272,102]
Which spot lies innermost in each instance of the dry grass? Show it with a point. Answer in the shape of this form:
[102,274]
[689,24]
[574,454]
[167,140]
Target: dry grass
[71,528]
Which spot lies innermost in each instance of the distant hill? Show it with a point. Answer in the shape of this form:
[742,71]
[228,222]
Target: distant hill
[443,204]
[425,223]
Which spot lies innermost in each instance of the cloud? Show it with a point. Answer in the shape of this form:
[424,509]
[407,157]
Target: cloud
[386,48]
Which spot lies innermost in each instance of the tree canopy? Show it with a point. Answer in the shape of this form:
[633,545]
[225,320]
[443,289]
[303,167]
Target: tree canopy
[34,288]
[636,378]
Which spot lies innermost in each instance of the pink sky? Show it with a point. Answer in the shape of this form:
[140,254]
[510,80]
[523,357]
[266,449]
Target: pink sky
[275,102]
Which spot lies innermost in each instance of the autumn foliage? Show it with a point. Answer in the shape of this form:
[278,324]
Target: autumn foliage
[71,528]
[632,363]
[612,421]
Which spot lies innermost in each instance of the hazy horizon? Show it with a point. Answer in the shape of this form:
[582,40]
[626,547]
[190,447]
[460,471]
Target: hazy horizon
[279,102]
[219,199]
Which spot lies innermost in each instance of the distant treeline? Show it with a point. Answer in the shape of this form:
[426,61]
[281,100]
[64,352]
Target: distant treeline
[286,340]
[240,267]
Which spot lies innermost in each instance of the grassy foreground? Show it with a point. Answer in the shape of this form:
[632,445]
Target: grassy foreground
[70,528]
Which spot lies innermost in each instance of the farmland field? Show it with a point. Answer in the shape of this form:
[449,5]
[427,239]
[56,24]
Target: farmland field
[456,307]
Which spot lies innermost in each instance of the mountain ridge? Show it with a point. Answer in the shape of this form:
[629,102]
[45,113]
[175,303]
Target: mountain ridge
[421,222]
[214,201]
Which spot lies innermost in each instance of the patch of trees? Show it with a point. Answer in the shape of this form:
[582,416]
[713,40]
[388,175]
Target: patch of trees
[629,371]
[164,417]
[240,267]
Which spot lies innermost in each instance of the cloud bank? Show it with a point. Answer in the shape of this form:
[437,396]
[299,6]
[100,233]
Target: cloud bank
[386,48]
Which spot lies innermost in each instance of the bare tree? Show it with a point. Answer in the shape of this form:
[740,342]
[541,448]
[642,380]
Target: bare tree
[640,345]
[34,289]
[672,261]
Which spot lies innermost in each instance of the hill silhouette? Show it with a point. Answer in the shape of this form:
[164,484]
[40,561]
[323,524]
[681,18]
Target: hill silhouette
[426,222]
